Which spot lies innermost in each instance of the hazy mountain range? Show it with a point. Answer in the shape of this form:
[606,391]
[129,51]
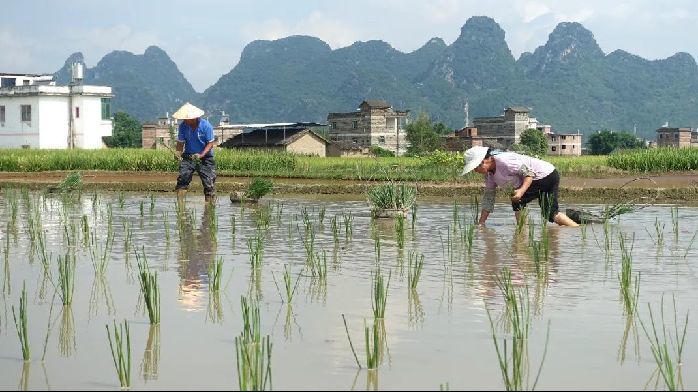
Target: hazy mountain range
[569,82]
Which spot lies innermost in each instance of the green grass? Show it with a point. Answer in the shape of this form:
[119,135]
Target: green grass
[655,160]
[256,163]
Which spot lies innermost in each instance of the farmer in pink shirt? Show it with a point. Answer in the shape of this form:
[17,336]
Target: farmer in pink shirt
[528,177]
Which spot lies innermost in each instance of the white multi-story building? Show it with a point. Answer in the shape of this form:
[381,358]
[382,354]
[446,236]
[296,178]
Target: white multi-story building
[36,113]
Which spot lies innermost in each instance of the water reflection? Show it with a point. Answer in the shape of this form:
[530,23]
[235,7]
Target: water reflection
[151,355]
[66,333]
[197,253]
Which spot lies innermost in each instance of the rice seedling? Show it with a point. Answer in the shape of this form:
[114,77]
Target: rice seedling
[22,325]
[120,348]
[166,224]
[377,248]
[379,294]
[659,232]
[690,244]
[121,199]
[141,208]
[413,212]
[400,231]
[72,182]
[256,248]
[455,214]
[348,220]
[254,364]
[468,236]
[85,231]
[215,274]
[513,360]
[66,278]
[99,254]
[391,196]
[289,285]
[675,223]
[335,229]
[253,352]
[318,265]
[521,220]
[667,349]
[372,339]
[149,288]
[414,269]
[351,345]
[629,291]
[444,387]
[321,213]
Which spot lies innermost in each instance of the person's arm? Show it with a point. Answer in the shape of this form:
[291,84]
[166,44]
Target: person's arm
[206,149]
[528,180]
[488,198]
[180,140]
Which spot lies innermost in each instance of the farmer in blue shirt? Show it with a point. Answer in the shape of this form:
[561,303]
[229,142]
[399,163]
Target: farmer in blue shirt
[195,142]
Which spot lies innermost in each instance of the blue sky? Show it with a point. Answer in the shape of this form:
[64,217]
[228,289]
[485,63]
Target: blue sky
[205,37]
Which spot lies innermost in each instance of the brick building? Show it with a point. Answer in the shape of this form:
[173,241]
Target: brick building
[677,137]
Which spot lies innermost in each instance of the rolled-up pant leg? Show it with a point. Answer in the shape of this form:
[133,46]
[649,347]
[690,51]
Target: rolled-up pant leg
[207,173]
[186,171]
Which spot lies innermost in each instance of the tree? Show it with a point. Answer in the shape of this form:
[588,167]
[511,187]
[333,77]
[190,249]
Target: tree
[422,137]
[535,141]
[606,141]
[127,133]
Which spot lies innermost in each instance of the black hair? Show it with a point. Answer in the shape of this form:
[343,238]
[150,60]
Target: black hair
[489,152]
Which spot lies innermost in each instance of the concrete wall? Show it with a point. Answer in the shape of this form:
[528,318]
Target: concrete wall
[309,145]
[564,144]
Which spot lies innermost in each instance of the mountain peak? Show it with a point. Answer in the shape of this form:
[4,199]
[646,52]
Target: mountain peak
[155,51]
[481,29]
[569,43]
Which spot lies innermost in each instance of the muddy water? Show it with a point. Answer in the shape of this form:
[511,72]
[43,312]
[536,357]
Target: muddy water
[439,335]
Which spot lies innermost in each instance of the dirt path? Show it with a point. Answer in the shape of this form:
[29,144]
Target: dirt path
[671,187]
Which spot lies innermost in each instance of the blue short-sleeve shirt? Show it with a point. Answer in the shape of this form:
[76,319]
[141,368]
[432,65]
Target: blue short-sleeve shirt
[195,140]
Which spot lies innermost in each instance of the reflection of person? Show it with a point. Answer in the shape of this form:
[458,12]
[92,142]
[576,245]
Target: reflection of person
[197,252]
[195,142]
[530,178]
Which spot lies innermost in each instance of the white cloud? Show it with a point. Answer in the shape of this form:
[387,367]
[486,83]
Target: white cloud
[531,10]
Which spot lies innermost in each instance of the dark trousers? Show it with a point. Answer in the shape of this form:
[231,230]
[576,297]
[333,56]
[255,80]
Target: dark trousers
[545,190]
[205,167]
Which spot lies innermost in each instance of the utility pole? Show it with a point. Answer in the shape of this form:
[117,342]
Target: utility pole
[467,114]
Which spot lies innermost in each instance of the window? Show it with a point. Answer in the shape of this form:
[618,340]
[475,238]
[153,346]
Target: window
[8,82]
[564,146]
[25,83]
[354,124]
[106,109]
[2,115]
[26,113]
[334,125]
[77,112]
[554,148]
[381,139]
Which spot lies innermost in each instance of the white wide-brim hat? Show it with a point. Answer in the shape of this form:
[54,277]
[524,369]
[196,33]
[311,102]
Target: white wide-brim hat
[188,112]
[473,157]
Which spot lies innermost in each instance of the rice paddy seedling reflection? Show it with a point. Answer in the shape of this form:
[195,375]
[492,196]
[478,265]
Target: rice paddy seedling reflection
[22,325]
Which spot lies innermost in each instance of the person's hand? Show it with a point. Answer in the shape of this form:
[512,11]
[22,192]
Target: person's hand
[516,197]
[196,156]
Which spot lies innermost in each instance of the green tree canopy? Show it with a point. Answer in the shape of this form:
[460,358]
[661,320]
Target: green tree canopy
[127,132]
[605,141]
[422,136]
[534,142]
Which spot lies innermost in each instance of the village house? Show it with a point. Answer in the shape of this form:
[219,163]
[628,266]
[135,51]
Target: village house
[677,137]
[374,123]
[294,138]
[37,113]
[503,131]
[568,144]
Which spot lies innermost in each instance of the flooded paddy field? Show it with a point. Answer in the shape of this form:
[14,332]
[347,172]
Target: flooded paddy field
[432,292]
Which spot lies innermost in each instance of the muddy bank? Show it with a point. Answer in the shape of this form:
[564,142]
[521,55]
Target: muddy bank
[682,187]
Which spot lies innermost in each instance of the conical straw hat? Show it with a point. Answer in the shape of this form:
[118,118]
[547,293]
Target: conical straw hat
[188,112]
